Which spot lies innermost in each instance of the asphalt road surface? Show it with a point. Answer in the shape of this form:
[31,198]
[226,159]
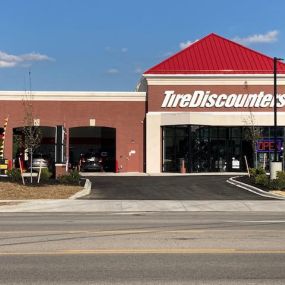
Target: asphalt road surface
[142,248]
[167,188]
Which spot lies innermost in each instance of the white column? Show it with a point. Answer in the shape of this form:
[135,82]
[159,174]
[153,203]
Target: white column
[153,143]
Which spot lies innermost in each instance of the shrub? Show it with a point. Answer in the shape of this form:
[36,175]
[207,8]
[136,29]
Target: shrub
[14,174]
[281,176]
[262,179]
[252,172]
[72,178]
[260,170]
[279,182]
[274,185]
[45,175]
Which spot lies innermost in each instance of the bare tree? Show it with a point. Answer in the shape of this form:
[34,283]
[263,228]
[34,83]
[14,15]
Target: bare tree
[32,136]
[252,134]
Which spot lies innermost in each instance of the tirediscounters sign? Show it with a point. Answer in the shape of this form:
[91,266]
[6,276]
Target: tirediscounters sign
[206,99]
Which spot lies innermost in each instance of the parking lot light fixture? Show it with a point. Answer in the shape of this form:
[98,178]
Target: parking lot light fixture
[275,60]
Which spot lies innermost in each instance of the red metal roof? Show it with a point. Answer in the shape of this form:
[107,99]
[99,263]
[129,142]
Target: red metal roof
[214,54]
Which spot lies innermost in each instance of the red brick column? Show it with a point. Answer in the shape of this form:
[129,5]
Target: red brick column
[8,150]
[60,169]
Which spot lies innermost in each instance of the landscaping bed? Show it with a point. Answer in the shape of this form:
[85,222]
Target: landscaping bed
[258,178]
[12,188]
[250,181]
[16,191]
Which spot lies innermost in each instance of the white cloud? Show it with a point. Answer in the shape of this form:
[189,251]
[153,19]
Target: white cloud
[186,44]
[112,71]
[4,64]
[10,60]
[35,57]
[269,37]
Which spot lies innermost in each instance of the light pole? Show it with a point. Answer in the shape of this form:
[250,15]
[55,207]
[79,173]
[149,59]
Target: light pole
[275,60]
[275,164]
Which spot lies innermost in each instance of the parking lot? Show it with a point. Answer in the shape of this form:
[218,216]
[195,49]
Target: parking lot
[167,188]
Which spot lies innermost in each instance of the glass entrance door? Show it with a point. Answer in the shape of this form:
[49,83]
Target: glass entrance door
[218,159]
[175,148]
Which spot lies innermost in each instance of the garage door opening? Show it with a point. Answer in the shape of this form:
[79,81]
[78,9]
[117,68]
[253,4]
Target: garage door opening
[45,149]
[92,148]
[1,143]
[1,135]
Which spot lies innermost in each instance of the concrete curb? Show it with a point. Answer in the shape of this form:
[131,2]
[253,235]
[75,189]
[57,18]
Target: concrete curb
[139,174]
[85,191]
[254,189]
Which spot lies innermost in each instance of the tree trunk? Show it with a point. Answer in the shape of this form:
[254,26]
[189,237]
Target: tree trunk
[31,166]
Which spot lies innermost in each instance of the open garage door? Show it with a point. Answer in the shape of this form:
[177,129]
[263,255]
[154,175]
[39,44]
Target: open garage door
[1,136]
[45,149]
[92,148]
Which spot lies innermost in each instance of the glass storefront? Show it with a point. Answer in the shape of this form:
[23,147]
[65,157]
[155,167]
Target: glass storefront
[218,149]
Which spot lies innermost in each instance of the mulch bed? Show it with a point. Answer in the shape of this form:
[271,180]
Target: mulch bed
[247,180]
[16,191]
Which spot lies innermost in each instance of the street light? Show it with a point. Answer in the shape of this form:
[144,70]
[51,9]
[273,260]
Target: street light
[275,165]
[275,60]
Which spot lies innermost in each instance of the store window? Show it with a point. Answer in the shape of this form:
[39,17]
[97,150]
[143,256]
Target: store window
[217,149]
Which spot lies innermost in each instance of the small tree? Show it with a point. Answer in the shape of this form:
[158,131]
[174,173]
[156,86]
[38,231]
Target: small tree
[31,133]
[252,134]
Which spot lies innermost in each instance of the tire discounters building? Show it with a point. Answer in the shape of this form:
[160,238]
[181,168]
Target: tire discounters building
[203,109]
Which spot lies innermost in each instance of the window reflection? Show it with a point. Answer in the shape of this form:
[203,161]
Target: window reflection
[211,148]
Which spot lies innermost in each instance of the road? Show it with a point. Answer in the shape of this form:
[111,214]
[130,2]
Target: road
[167,188]
[142,248]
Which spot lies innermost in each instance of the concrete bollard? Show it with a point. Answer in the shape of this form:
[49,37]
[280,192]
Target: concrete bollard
[275,166]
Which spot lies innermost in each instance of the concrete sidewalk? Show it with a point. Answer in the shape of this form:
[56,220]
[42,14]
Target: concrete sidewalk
[110,174]
[140,206]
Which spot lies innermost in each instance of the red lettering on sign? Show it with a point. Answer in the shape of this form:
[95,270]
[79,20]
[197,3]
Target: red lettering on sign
[271,146]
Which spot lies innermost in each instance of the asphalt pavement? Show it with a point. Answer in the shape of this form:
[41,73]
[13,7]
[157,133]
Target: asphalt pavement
[200,269]
[167,188]
[142,248]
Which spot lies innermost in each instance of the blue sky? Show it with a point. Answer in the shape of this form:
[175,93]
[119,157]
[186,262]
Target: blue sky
[106,45]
